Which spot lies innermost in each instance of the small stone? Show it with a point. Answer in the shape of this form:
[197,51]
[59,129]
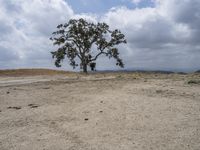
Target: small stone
[33,105]
[46,88]
[53,123]
[14,107]
[86,119]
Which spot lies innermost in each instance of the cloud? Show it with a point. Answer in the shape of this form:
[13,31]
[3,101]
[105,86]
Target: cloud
[165,36]
[136,1]
[25,27]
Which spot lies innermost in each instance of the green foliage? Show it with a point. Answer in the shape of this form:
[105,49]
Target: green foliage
[76,38]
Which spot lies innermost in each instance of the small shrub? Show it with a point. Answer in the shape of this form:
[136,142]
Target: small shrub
[119,77]
[194,82]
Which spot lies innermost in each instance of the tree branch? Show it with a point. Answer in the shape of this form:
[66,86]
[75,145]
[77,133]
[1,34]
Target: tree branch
[95,58]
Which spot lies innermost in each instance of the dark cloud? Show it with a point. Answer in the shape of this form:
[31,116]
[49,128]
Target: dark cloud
[5,28]
[7,55]
[187,12]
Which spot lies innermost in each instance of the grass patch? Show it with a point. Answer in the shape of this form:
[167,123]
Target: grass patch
[194,82]
[119,77]
[33,72]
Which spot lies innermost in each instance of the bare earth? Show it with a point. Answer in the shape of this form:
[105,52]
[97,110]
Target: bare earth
[100,112]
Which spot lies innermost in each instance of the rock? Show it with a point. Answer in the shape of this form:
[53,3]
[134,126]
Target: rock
[14,107]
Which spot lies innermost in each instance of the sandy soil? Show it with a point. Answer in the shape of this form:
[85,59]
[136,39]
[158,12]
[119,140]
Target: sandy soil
[100,112]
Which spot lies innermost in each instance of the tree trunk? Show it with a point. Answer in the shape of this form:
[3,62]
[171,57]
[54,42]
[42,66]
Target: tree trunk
[85,68]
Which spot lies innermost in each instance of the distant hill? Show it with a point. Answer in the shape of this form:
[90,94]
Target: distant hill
[139,71]
[198,71]
[32,72]
[36,72]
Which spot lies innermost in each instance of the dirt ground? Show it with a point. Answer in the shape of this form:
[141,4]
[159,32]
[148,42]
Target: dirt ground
[110,111]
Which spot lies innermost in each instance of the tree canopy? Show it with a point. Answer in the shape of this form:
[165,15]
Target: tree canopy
[86,41]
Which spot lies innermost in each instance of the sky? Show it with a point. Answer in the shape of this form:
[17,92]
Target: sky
[161,34]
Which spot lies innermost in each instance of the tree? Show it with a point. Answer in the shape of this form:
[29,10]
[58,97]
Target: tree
[77,38]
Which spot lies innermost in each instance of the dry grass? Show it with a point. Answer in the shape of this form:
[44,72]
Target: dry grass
[194,82]
[119,75]
[33,72]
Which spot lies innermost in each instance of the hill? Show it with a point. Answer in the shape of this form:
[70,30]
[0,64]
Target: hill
[33,72]
[198,71]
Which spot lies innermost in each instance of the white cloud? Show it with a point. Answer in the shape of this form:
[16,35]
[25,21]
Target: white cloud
[136,1]
[162,37]
[26,27]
